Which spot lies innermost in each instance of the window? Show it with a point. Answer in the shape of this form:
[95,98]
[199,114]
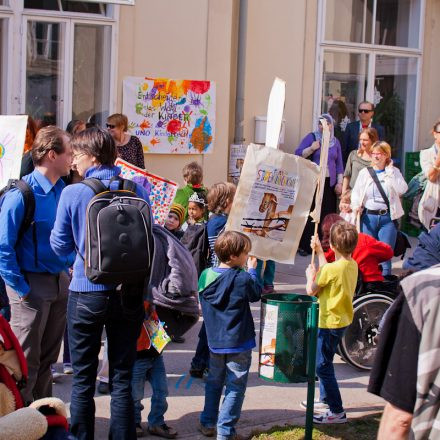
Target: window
[66,6]
[375,56]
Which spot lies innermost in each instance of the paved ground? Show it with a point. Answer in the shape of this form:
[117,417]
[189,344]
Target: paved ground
[266,404]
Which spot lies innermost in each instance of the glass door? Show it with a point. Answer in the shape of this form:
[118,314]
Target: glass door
[44,71]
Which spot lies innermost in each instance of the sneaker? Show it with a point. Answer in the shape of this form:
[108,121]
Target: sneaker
[318,406]
[330,418]
[139,430]
[268,289]
[164,431]
[103,388]
[206,431]
[55,374]
[67,368]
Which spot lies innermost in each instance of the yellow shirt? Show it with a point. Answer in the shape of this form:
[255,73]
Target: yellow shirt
[338,283]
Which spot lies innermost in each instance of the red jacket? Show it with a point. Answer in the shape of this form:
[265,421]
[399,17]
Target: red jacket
[368,253]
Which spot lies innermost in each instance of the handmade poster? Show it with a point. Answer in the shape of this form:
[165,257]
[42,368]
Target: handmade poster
[162,191]
[268,339]
[273,201]
[237,152]
[12,137]
[156,331]
[169,115]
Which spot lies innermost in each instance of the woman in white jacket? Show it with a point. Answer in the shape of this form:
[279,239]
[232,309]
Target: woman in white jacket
[377,219]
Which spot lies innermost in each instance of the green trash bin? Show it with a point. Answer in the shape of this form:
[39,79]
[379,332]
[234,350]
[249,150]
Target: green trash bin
[288,338]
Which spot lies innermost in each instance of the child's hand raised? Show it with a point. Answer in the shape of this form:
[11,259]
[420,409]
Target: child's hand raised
[315,244]
[252,262]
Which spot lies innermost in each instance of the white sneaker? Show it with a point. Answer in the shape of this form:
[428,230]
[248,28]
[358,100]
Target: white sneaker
[67,368]
[318,406]
[330,418]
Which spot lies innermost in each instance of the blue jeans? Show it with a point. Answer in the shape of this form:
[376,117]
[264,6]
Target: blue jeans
[200,361]
[153,370]
[87,314]
[382,228]
[231,370]
[266,279]
[328,340]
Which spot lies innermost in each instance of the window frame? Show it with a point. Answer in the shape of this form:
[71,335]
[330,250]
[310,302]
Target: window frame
[372,50]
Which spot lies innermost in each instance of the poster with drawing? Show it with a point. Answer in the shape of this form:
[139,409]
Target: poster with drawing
[171,116]
[268,339]
[12,137]
[273,201]
[162,191]
[237,153]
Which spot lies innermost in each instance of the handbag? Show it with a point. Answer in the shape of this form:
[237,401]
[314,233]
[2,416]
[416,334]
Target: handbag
[402,242]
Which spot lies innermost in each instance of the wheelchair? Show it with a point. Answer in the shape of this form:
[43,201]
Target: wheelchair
[371,301]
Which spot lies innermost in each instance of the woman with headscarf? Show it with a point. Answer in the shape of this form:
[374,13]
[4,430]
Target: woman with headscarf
[310,148]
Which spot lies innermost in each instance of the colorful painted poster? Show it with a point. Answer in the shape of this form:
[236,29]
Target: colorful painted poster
[237,152]
[12,137]
[171,116]
[162,191]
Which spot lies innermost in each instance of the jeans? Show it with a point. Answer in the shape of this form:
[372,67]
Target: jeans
[266,279]
[200,361]
[122,316]
[382,228]
[231,370]
[153,370]
[328,341]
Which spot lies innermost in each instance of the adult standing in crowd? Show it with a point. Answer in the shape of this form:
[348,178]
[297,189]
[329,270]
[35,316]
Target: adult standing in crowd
[379,215]
[129,147]
[351,136]
[92,306]
[310,148]
[429,206]
[36,278]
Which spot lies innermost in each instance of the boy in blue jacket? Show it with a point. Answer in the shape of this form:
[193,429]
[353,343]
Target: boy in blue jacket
[225,294]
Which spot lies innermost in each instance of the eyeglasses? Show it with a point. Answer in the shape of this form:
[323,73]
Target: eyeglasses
[110,125]
[364,110]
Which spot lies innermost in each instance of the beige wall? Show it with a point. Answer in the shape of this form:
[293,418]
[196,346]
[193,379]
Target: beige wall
[190,39]
[430,86]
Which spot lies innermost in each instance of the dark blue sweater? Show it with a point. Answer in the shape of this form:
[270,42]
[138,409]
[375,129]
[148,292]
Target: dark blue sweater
[226,311]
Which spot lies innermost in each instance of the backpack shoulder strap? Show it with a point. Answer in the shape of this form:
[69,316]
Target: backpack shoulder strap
[379,187]
[128,185]
[29,206]
[95,184]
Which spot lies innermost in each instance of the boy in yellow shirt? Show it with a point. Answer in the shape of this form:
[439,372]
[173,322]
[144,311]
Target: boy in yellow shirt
[334,284]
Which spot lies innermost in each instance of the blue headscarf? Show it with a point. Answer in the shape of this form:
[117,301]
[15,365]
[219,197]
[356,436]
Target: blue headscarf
[318,133]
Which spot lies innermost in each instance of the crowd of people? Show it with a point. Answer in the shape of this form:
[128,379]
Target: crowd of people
[53,293]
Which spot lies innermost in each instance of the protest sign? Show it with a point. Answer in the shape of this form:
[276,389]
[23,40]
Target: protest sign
[162,190]
[171,116]
[237,152]
[12,137]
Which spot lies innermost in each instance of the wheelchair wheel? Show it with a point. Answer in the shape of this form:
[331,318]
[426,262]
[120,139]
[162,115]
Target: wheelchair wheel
[358,345]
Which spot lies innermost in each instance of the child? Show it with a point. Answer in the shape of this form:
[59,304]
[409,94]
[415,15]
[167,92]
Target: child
[334,284]
[193,177]
[175,219]
[225,294]
[220,198]
[346,212]
[196,209]
[149,366]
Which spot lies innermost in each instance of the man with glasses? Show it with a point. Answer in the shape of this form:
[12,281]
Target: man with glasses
[35,277]
[351,136]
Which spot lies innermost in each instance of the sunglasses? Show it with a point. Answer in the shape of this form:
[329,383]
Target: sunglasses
[110,125]
[364,110]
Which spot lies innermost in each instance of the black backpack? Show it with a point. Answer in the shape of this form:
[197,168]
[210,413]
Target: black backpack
[195,239]
[119,242]
[29,209]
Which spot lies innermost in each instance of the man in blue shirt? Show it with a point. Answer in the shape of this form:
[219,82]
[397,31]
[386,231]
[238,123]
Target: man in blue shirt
[35,277]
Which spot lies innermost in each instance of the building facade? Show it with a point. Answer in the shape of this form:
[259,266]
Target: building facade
[62,59]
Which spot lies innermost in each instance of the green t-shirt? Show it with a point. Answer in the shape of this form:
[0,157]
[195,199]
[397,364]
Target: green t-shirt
[338,283]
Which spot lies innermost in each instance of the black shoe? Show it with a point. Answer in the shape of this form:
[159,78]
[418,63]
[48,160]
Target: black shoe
[196,372]
[103,388]
[178,339]
[303,252]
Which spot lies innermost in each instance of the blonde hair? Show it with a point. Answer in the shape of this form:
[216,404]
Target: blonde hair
[219,196]
[385,148]
[118,120]
[193,173]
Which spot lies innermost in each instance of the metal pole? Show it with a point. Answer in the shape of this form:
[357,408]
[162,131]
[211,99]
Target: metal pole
[312,324]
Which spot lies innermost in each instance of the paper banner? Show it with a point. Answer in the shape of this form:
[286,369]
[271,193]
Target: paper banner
[12,137]
[171,116]
[272,201]
[275,110]
[162,192]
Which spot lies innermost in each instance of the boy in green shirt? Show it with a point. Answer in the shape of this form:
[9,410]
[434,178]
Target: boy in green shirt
[334,284]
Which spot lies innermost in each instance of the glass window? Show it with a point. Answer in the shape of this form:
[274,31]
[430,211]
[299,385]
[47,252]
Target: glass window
[89,8]
[349,20]
[51,5]
[44,72]
[344,86]
[91,73]
[397,23]
[395,85]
